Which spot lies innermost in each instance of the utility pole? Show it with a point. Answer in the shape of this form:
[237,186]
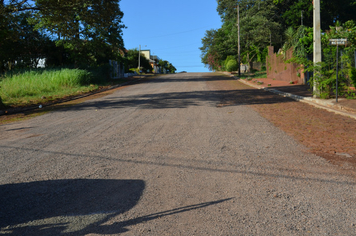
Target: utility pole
[139,59]
[317,43]
[238,39]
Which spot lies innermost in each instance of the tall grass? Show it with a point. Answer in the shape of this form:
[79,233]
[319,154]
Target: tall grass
[23,87]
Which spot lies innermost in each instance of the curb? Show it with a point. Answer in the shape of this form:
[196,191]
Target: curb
[338,109]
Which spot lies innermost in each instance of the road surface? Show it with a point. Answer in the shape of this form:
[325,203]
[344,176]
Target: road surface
[167,156]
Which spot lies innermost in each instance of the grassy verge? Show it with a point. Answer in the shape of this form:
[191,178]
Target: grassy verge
[43,85]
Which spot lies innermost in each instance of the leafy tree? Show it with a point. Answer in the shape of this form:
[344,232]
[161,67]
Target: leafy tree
[86,27]
[20,44]
[330,11]
[259,25]
[132,61]
[208,49]
[302,43]
[90,31]
[171,68]
[258,29]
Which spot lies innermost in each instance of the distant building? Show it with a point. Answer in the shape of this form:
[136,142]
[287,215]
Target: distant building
[153,60]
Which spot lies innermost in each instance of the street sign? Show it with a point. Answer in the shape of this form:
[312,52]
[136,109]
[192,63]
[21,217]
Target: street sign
[338,41]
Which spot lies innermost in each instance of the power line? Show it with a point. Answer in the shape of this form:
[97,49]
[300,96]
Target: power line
[191,51]
[189,66]
[166,35]
[181,46]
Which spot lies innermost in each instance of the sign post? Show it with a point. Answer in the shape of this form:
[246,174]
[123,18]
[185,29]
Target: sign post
[337,42]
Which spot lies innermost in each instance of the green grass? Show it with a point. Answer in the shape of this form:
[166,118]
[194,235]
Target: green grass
[31,86]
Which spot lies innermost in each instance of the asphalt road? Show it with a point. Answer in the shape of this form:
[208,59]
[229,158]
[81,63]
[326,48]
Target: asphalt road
[167,156]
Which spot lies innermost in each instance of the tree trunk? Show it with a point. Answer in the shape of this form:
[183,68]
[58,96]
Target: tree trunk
[2,106]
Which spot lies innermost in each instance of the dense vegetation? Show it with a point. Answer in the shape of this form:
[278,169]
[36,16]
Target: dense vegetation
[301,40]
[285,24]
[77,36]
[75,32]
[131,61]
[263,23]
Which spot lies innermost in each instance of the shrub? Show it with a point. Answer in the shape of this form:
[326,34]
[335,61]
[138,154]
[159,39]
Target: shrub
[135,70]
[232,65]
[99,75]
[353,76]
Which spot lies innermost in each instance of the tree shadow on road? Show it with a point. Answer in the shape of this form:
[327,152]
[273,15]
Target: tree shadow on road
[191,77]
[217,98]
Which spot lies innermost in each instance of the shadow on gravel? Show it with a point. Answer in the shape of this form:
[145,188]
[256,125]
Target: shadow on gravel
[219,98]
[157,215]
[74,207]
[69,207]
[300,90]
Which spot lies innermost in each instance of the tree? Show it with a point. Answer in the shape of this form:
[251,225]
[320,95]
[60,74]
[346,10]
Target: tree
[259,24]
[330,10]
[171,68]
[20,44]
[259,27]
[89,30]
[82,25]
[132,61]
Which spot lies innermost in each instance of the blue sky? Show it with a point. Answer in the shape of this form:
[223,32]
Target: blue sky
[172,30]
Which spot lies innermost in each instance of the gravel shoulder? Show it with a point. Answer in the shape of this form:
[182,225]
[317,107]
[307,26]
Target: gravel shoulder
[185,154]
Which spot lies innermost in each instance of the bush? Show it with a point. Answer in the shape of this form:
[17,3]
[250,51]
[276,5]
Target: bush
[232,65]
[353,76]
[99,75]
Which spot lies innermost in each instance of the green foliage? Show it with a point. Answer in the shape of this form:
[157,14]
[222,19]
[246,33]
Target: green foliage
[228,58]
[232,65]
[135,70]
[21,46]
[258,24]
[170,68]
[325,72]
[166,66]
[84,32]
[99,75]
[132,61]
[301,41]
[353,76]
[330,10]
[90,29]
[326,82]
[37,83]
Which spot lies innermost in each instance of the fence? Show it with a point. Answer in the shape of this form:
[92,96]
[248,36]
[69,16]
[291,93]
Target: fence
[279,69]
[117,70]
